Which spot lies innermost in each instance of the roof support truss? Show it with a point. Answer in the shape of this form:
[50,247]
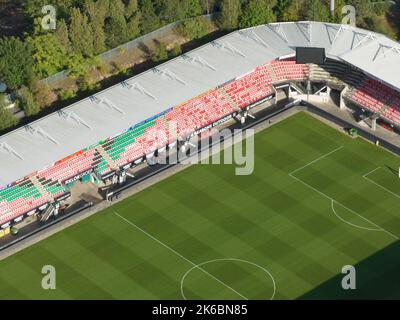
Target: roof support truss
[199,60]
[5,146]
[227,46]
[138,87]
[168,73]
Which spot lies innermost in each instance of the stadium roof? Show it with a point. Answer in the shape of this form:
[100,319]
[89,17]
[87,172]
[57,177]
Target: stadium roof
[112,111]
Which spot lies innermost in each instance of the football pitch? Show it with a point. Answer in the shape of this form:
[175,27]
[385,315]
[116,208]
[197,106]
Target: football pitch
[316,201]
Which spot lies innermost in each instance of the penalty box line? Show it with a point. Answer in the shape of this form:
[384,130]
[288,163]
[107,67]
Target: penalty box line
[333,200]
[179,255]
[319,158]
[365,176]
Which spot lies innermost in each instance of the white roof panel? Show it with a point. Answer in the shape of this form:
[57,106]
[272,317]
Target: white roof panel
[117,108]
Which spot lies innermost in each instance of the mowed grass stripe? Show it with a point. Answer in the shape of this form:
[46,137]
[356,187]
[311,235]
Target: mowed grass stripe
[346,187]
[206,213]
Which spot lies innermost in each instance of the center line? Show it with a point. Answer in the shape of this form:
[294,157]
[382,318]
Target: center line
[178,254]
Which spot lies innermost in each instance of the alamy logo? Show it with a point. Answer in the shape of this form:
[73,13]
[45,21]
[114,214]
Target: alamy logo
[210,147]
[49,280]
[49,20]
[350,15]
[349,280]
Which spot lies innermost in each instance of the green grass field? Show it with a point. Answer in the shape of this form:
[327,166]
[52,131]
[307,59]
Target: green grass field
[317,200]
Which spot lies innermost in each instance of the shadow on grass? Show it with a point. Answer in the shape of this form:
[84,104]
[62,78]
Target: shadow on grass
[377,277]
[392,170]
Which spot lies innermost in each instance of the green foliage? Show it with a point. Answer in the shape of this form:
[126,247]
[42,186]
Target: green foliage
[115,26]
[15,62]
[190,8]
[7,120]
[61,33]
[256,12]
[230,12]
[293,11]
[103,69]
[76,65]
[48,54]
[194,28]
[42,93]
[133,16]
[118,68]
[160,52]
[66,94]
[87,84]
[150,21]
[28,102]
[97,12]
[281,7]
[81,33]
[317,11]
[176,50]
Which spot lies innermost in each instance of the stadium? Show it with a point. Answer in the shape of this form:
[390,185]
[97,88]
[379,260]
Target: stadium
[339,71]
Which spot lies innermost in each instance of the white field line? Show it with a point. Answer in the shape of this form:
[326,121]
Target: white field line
[311,162]
[365,176]
[229,259]
[352,224]
[331,199]
[179,255]
[368,173]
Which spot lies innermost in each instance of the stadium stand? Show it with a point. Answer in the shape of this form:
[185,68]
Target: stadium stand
[377,98]
[188,93]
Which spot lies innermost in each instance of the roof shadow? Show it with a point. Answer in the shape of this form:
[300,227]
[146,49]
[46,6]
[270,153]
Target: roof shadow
[377,277]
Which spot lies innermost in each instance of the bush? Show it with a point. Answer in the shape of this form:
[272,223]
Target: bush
[88,85]
[176,50]
[66,94]
[7,120]
[42,93]
[29,102]
[160,52]
[76,65]
[103,69]
[194,28]
[117,67]
[121,50]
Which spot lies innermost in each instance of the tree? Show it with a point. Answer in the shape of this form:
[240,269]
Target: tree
[116,28]
[317,11]
[42,93]
[168,10]
[281,7]
[48,54]
[97,12]
[230,12]
[160,52]
[256,12]
[150,21]
[176,50]
[81,33]
[116,31]
[16,62]
[293,11]
[194,28]
[29,103]
[191,8]
[7,120]
[62,35]
[132,16]
[76,65]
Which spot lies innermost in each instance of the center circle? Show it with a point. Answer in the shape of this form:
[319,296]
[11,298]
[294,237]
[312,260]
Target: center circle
[201,266]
